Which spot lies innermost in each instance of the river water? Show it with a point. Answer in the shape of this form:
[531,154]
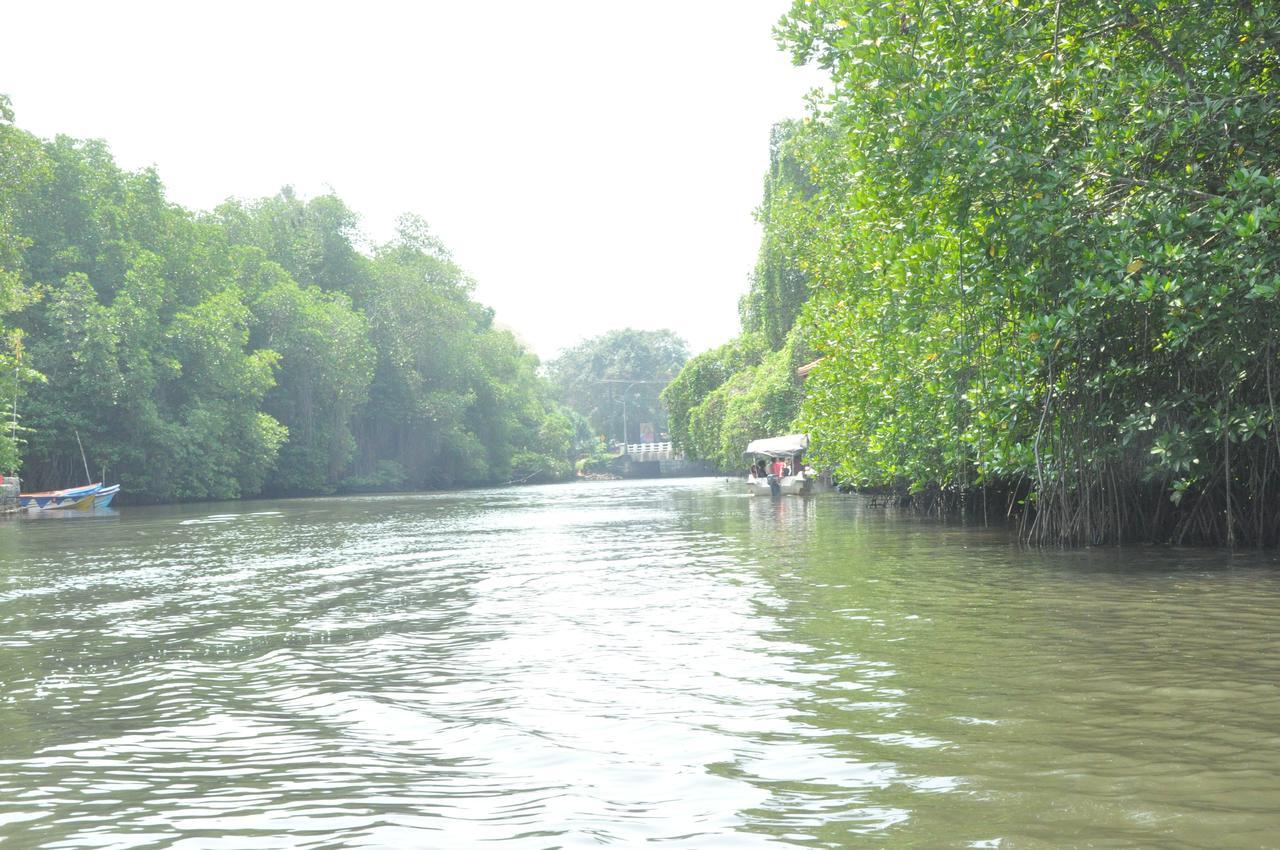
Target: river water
[623,663]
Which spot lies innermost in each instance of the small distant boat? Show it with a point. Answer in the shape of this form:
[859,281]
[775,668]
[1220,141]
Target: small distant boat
[73,498]
[790,450]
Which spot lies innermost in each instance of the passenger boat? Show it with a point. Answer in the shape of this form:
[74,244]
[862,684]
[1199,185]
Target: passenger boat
[81,498]
[790,450]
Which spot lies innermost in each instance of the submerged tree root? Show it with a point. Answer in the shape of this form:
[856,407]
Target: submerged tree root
[1104,509]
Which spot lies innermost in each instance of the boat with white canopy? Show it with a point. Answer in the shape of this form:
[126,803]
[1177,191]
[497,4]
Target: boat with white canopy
[777,466]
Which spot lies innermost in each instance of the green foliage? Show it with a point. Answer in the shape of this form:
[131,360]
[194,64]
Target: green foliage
[765,408]
[617,379]
[384,475]
[779,287]
[700,377]
[1042,252]
[254,349]
[314,241]
[327,365]
[758,397]
[22,165]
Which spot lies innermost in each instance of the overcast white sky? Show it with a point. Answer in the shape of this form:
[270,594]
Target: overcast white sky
[592,165]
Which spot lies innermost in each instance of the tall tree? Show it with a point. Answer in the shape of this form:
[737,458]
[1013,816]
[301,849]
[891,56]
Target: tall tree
[616,380]
[779,286]
[326,366]
[22,164]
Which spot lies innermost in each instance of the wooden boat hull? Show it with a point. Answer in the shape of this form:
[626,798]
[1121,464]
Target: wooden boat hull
[52,500]
[78,504]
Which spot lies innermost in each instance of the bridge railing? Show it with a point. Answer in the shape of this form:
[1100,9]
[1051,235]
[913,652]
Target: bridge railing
[650,451]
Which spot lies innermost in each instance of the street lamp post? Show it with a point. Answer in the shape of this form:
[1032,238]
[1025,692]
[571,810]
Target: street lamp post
[630,384]
[624,415]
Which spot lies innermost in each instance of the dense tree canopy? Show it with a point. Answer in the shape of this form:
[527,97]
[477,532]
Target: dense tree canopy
[254,349]
[615,380]
[22,165]
[1043,260]
[779,287]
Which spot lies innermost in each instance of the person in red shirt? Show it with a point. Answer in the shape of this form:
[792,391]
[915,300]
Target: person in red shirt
[775,468]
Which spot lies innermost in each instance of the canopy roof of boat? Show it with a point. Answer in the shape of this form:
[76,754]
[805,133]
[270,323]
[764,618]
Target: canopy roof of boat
[791,444]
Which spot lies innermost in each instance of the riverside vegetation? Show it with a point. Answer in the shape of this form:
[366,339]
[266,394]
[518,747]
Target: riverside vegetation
[1030,245]
[251,349]
[1034,244]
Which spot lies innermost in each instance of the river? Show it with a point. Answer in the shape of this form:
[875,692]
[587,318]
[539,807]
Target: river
[624,663]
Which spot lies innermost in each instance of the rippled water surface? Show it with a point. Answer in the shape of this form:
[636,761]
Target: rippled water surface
[624,664]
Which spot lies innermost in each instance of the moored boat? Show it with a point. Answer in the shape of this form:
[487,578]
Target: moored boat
[72,497]
[102,498]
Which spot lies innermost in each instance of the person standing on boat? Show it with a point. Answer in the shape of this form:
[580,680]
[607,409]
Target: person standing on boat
[775,477]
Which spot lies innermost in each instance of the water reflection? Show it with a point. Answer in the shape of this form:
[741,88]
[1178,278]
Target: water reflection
[74,515]
[623,663]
